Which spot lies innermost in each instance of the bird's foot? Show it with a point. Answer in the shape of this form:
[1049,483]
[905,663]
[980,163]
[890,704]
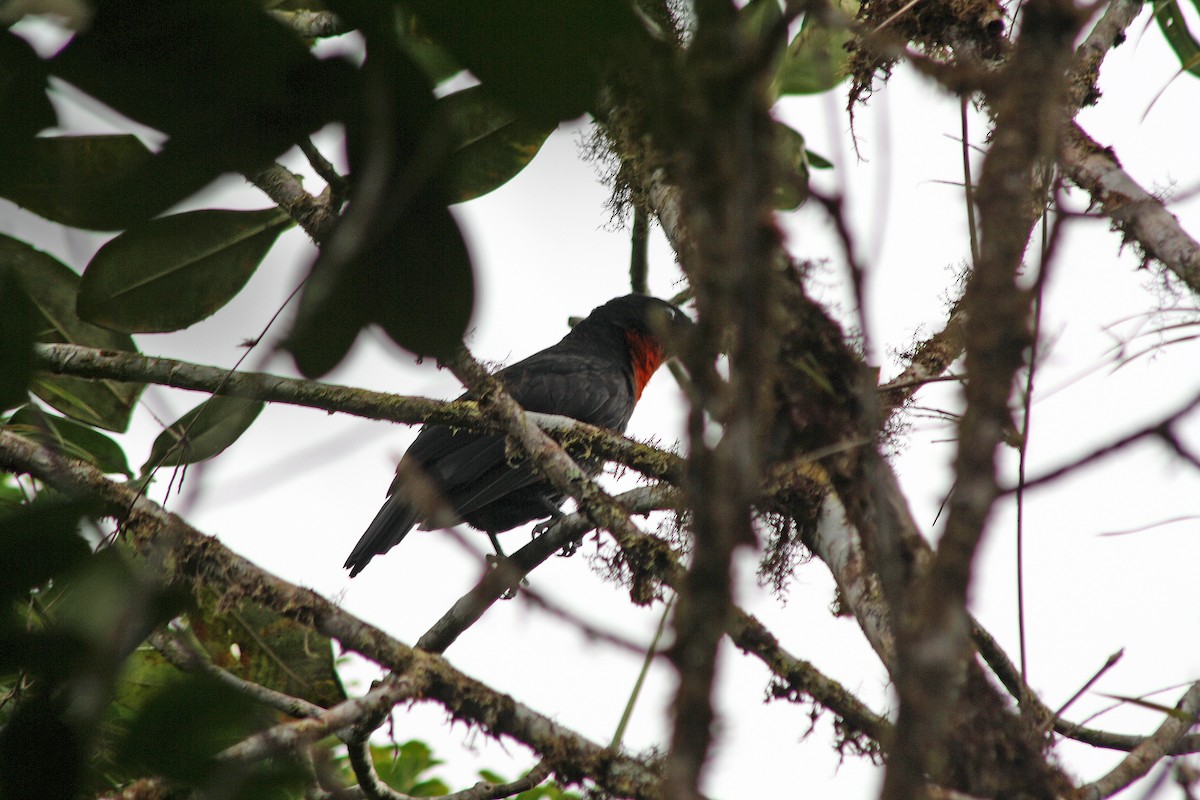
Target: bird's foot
[542,527]
[501,562]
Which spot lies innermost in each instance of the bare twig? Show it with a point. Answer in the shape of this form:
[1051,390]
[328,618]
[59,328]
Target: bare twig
[189,660]
[1028,109]
[1142,758]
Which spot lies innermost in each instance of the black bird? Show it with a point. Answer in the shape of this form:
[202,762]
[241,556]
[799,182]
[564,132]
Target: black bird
[595,374]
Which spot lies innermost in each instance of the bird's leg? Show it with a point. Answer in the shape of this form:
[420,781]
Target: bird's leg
[556,514]
[500,561]
[496,544]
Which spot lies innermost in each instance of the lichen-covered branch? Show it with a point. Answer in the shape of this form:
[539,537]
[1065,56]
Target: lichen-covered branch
[87,362]
[1139,215]
[189,558]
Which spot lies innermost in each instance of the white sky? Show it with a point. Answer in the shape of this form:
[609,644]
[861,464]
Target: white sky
[294,494]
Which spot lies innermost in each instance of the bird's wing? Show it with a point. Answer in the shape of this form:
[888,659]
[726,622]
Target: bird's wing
[586,388]
[473,469]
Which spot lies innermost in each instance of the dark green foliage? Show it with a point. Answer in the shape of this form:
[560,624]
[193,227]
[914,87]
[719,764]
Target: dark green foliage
[397,258]
[544,59]
[52,287]
[491,143]
[259,644]
[200,260]
[403,768]
[203,432]
[70,438]
[36,543]
[1174,27]
[24,106]
[249,89]
[18,326]
[63,175]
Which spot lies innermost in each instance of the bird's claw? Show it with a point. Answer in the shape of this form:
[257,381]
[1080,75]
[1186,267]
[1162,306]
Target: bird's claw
[499,561]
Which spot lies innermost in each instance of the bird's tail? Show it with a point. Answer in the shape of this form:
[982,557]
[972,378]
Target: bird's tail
[393,522]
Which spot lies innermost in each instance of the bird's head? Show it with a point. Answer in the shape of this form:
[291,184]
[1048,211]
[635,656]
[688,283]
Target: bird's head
[651,330]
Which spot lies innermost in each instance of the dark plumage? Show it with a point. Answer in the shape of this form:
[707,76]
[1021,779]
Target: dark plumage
[595,375]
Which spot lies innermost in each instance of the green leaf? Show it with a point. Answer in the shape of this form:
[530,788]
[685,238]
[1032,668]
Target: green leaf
[1174,27]
[38,542]
[432,58]
[181,729]
[24,106]
[491,143]
[426,289]
[18,325]
[792,187]
[818,161]
[271,650]
[816,60]
[545,59]
[231,87]
[64,175]
[36,730]
[758,18]
[203,432]
[172,272]
[52,288]
[403,768]
[70,438]
[396,257]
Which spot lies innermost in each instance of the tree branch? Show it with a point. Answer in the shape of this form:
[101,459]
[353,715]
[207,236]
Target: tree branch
[189,557]
[1029,114]
[86,362]
[1143,757]
[1139,215]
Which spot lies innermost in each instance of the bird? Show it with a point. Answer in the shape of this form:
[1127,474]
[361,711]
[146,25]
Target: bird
[595,374]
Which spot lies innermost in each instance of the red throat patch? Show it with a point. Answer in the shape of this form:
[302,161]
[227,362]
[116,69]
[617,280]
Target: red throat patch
[646,355]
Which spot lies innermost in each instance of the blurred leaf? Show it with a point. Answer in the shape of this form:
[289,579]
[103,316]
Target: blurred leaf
[18,326]
[52,287]
[64,175]
[203,432]
[403,767]
[172,272]
[396,257]
[1174,27]
[544,59]
[331,313]
[818,161]
[71,439]
[24,106]
[38,542]
[230,86]
[271,650]
[816,60]
[792,188]
[416,283]
[41,755]
[425,309]
[491,143]
[181,728]
[433,59]
[758,18]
